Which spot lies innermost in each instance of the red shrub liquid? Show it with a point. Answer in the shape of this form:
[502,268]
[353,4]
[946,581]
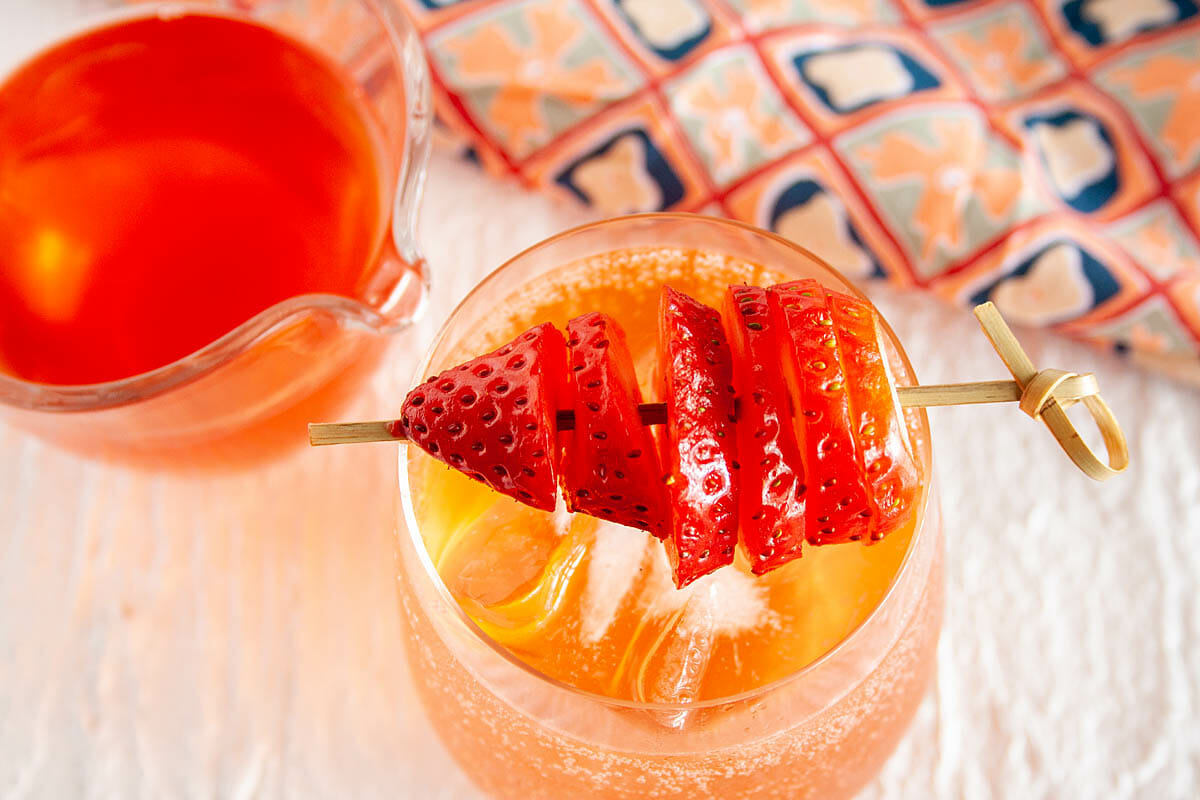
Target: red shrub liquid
[164,180]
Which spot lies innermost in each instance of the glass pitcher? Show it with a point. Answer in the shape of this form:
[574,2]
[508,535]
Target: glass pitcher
[248,394]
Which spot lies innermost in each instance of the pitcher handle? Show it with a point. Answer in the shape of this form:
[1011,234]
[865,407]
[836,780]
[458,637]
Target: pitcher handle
[399,287]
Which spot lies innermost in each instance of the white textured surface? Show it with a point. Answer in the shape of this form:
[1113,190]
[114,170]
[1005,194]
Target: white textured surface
[236,636]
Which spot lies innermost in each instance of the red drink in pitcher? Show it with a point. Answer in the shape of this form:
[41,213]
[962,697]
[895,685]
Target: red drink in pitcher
[205,224]
[153,197]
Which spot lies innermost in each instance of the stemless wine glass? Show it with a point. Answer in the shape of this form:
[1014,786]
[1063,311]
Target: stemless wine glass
[249,393]
[822,732]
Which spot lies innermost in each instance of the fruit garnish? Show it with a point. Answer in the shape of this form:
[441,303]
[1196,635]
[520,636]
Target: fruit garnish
[494,417]
[893,480]
[838,509]
[610,464]
[497,417]
[539,599]
[700,447]
[498,555]
[770,455]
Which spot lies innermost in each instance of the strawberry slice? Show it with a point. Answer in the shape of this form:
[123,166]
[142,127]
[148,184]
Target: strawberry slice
[610,467]
[700,447]
[893,480]
[494,416]
[771,456]
[838,509]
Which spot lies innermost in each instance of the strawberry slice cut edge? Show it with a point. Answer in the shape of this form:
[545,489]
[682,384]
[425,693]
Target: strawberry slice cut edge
[610,464]
[770,454]
[700,446]
[893,480]
[838,508]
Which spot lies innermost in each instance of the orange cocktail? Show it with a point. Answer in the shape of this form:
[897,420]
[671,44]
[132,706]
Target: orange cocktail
[553,652]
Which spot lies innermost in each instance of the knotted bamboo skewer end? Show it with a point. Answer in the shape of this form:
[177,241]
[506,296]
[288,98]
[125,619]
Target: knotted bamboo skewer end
[1047,394]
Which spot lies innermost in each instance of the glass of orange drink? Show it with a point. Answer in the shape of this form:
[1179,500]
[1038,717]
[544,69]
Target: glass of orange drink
[206,220]
[552,652]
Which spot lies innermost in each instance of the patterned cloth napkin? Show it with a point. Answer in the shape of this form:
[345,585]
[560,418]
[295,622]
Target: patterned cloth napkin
[1044,155]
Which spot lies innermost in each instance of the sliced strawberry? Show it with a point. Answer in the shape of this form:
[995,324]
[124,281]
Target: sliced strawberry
[893,480]
[610,466]
[700,446]
[770,454]
[494,416]
[838,509]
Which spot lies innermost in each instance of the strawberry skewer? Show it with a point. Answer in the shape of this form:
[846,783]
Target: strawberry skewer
[1069,389]
[812,448]
[926,395]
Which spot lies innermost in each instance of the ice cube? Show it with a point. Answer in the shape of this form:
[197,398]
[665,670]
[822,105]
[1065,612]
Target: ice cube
[674,668]
[735,600]
[615,562]
[690,622]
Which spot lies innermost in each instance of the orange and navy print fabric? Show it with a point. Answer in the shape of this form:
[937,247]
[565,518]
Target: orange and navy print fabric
[1044,155]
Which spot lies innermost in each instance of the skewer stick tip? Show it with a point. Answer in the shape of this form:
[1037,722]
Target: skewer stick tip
[323,433]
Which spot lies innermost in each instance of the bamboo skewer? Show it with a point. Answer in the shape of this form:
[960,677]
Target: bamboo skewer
[943,394]
[1043,395]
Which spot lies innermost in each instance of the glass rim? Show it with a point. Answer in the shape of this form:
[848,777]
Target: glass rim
[429,571]
[403,186]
